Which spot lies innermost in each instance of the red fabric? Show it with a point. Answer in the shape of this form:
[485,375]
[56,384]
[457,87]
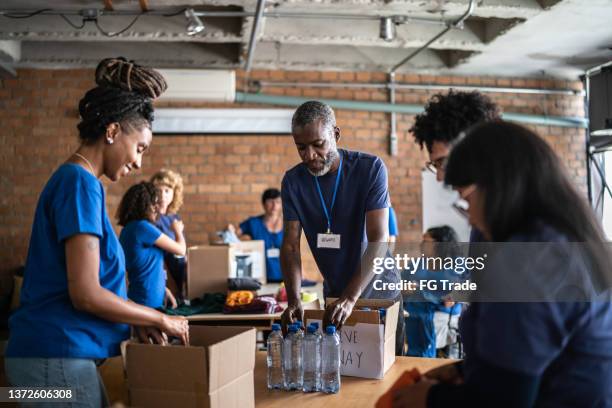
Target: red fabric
[261,304]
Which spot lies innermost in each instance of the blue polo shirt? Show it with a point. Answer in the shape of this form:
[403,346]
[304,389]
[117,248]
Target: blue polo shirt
[46,324]
[363,187]
[144,263]
[256,229]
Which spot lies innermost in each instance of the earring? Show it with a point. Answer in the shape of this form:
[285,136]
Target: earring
[109,141]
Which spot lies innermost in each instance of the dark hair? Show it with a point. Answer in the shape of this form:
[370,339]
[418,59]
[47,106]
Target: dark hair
[312,111]
[446,241]
[270,194]
[123,95]
[448,115]
[137,202]
[522,180]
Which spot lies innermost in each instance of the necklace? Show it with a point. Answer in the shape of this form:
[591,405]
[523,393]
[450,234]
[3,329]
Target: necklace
[80,156]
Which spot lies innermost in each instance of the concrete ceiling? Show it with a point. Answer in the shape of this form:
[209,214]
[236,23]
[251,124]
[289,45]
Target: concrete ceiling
[558,38]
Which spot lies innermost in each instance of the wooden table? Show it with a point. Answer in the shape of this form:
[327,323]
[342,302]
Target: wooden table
[354,392]
[259,321]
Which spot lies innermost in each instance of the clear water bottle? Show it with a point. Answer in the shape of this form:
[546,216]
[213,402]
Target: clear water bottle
[275,358]
[330,367]
[312,360]
[383,315]
[292,360]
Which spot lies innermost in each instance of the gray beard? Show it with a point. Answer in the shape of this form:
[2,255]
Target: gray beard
[329,161]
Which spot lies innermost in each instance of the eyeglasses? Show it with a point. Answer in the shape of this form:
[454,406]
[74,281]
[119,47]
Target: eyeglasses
[436,165]
[461,204]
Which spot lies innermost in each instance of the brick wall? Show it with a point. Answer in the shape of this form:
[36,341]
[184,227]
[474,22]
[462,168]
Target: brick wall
[225,175]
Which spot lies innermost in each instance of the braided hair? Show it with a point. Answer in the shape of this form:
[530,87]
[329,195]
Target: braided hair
[124,95]
[138,203]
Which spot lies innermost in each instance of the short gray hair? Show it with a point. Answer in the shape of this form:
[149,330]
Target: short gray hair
[312,111]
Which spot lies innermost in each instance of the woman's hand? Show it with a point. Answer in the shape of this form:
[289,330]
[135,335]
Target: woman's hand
[178,226]
[413,396]
[176,326]
[170,300]
[150,335]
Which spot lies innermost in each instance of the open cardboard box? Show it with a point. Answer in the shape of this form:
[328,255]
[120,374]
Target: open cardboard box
[209,266]
[367,345]
[215,371]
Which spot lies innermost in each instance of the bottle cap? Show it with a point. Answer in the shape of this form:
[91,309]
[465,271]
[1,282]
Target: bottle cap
[292,328]
[311,329]
[276,327]
[315,324]
[330,329]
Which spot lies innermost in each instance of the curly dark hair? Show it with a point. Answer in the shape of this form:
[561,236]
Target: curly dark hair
[446,116]
[123,95]
[138,203]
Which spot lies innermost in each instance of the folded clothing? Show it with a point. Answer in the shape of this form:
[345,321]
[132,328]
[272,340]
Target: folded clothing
[243,284]
[260,304]
[208,303]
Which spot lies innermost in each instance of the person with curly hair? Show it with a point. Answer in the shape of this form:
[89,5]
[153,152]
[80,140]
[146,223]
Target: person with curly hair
[443,120]
[144,245]
[74,309]
[170,185]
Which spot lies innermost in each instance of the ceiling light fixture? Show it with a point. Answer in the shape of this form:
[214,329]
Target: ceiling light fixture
[194,24]
[387,29]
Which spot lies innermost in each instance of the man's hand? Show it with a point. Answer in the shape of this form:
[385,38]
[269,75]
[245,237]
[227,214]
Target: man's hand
[337,313]
[292,314]
[447,373]
[150,335]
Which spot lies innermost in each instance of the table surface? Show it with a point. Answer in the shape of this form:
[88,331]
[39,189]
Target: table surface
[354,392]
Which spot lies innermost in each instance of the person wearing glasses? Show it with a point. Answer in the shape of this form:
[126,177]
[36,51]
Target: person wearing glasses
[555,352]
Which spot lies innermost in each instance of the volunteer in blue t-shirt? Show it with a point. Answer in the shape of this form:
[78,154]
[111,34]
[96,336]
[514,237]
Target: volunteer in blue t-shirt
[267,227]
[144,246]
[340,199]
[73,309]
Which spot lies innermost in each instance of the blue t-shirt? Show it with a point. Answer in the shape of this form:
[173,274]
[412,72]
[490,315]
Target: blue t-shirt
[144,263]
[568,345]
[363,187]
[392,223]
[256,228]
[46,324]
[164,224]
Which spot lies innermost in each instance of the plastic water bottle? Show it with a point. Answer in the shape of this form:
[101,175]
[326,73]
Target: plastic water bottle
[312,360]
[292,360]
[330,370]
[275,358]
[383,315]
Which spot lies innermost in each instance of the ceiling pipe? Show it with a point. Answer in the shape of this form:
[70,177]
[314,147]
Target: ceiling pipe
[562,121]
[456,24]
[255,30]
[404,86]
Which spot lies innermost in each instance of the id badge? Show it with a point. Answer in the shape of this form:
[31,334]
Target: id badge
[328,241]
[273,253]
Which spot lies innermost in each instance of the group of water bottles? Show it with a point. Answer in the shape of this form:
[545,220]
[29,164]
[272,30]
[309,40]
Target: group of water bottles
[301,361]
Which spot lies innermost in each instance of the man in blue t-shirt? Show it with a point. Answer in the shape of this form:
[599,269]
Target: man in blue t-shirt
[340,199]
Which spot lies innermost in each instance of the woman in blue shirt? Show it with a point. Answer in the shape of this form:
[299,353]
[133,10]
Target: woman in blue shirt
[267,227]
[144,246]
[73,309]
[548,353]
[170,185]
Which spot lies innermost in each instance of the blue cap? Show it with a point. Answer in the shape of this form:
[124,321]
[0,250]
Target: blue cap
[276,327]
[330,329]
[298,324]
[293,328]
[383,312]
[315,324]
[311,329]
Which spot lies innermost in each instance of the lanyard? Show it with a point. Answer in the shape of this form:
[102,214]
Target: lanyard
[328,214]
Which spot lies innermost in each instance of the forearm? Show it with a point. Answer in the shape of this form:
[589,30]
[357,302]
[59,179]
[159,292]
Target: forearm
[180,239]
[365,271]
[291,267]
[111,307]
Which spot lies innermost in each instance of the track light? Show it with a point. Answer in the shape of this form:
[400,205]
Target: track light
[194,24]
[387,29]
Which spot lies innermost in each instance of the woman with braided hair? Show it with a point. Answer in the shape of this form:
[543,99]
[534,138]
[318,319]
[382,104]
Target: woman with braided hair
[74,311]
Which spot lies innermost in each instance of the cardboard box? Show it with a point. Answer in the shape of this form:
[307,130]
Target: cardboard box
[215,371]
[368,347]
[209,266]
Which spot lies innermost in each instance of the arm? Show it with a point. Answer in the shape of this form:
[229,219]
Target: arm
[377,231]
[86,294]
[178,247]
[291,267]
